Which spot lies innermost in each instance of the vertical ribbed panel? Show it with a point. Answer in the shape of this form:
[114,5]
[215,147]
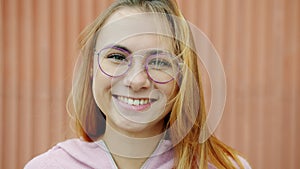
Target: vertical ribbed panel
[1,84]
[25,113]
[258,41]
[11,80]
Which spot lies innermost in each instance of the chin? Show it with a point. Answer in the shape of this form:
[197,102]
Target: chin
[132,129]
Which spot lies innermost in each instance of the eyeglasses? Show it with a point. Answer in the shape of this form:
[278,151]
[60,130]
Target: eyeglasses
[161,66]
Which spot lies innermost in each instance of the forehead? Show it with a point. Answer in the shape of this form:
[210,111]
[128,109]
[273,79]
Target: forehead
[140,30]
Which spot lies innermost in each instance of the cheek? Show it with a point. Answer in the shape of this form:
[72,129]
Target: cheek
[169,90]
[100,83]
[101,90]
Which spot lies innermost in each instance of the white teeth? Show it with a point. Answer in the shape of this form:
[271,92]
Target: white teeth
[142,102]
[130,101]
[134,102]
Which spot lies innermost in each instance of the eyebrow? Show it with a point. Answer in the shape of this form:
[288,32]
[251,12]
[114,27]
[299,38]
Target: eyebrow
[155,51]
[120,47]
[126,50]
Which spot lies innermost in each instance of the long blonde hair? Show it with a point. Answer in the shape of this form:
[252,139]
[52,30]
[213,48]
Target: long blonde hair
[188,152]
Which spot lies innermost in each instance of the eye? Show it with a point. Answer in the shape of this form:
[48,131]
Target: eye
[159,63]
[117,58]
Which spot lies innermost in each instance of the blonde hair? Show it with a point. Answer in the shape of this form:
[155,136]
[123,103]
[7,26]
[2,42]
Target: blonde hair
[188,152]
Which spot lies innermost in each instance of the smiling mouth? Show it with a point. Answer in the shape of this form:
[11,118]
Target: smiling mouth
[134,101]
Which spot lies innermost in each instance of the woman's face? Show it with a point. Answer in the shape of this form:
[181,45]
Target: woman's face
[133,103]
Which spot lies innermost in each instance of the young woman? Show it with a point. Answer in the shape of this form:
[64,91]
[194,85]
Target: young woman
[137,98]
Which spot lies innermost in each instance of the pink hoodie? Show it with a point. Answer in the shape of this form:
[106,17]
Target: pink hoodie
[78,154]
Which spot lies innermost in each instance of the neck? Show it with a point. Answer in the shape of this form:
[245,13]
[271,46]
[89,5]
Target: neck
[129,151]
[129,146]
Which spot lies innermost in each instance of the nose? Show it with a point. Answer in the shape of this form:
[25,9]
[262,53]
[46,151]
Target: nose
[137,78]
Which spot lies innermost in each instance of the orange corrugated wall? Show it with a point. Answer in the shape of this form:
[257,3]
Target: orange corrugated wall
[258,41]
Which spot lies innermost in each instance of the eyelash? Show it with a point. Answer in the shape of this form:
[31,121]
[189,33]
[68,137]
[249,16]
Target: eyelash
[117,57]
[161,63]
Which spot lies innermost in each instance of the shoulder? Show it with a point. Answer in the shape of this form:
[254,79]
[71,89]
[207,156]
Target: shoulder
[47,160]
[67,154]
[245,163]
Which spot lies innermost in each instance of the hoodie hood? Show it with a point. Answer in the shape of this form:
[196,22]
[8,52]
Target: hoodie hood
[76,153]
[97,155]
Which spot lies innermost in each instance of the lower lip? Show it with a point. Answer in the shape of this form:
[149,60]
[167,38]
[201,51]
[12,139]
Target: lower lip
[133,107]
